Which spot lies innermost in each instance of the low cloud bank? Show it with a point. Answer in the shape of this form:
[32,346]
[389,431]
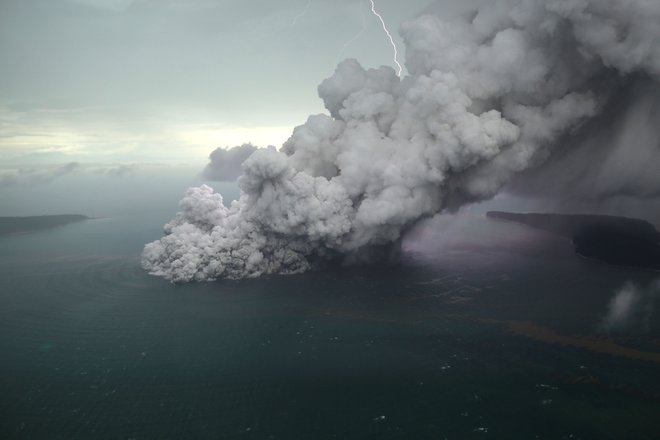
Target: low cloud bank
[35,176]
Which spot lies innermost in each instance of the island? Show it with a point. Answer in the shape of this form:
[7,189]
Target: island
[18,225]
[615,240]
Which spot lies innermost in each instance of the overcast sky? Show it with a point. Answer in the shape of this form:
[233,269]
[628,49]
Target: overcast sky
[145,80]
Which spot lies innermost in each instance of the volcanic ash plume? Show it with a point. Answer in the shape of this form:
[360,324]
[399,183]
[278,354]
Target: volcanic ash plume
[487,96]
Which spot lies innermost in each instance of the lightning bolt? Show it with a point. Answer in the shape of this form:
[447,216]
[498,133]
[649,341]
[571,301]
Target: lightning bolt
[396,55]
[356,36]
[299,16]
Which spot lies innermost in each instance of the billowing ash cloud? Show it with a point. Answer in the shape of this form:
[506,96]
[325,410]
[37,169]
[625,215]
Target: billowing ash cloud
[486,98]
[35,176]
[225,164]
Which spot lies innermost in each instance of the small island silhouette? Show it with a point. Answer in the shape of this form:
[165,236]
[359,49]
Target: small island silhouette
[19,225]
[615,240]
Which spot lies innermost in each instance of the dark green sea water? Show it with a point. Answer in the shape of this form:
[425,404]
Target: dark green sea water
[91,347]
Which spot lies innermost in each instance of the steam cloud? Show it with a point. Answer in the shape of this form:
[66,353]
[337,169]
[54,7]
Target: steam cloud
[631,303]
[487,97]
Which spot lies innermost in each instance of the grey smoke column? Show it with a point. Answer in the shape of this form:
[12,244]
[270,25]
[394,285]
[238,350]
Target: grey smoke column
[486,97]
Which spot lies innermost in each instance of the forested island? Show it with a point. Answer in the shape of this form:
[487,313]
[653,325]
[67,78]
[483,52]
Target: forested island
[17,225]
[616,240]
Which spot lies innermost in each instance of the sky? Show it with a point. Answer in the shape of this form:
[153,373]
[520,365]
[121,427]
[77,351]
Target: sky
[144,81]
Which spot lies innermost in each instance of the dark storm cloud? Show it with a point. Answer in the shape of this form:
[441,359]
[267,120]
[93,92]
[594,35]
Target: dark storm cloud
[614,155]
[225,164]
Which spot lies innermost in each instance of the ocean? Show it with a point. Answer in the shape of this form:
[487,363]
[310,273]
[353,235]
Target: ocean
[484,330]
